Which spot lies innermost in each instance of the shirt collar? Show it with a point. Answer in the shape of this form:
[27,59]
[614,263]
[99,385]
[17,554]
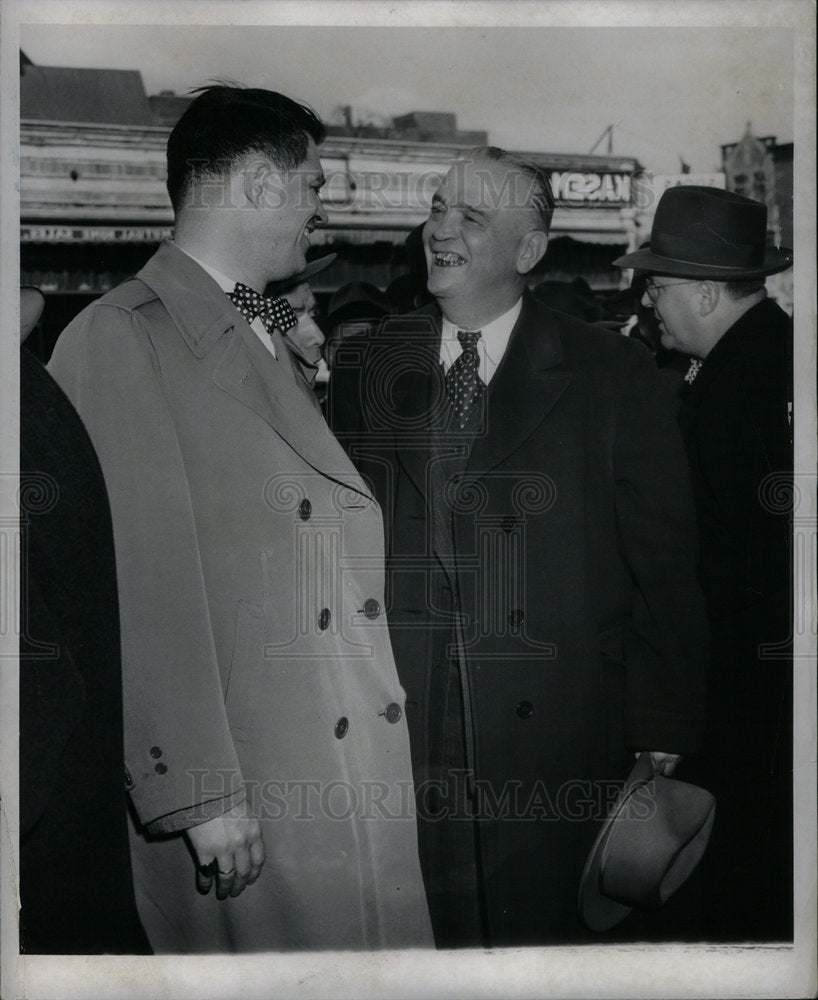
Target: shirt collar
[491,346]
[226,284]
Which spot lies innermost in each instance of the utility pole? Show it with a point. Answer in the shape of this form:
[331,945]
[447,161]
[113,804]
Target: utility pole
[609,132]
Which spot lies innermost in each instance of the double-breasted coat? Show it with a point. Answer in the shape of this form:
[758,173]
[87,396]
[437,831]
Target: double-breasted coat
[571,547]
[256,656]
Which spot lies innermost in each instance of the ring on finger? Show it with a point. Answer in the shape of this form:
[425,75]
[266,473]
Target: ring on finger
[230,871]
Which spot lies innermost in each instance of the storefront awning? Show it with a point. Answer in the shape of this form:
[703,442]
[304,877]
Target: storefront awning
[603,238]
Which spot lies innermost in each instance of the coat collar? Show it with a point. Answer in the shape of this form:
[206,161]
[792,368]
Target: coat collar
[530,380]
[197,306]
[757,322]
[245,369]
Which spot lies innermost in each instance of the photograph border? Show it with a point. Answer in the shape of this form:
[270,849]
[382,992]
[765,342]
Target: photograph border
[681,970]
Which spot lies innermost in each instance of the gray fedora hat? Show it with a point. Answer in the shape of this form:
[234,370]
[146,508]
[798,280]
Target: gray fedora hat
[705,232]
[650,843]
[313,267]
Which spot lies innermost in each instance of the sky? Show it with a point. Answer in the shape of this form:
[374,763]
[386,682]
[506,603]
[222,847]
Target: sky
[670,92]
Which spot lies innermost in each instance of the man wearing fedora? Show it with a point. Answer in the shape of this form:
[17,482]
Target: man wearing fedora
[706,264]
[262,708]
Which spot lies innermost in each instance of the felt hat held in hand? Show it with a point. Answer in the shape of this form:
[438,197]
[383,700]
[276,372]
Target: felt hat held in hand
[651,842]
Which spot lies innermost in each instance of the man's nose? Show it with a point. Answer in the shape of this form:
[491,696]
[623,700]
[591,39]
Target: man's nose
[321,217]
[443,226]
[311,333]
[646,301]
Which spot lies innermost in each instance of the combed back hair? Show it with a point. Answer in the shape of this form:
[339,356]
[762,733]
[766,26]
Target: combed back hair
[542,197]
[224,124]
[743,289]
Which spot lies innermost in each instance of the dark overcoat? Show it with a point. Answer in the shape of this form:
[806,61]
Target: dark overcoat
[573,550]
[735,422]
[76,885]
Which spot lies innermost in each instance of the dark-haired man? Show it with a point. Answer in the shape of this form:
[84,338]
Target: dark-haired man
[707,261]
[541,551]
[264,733]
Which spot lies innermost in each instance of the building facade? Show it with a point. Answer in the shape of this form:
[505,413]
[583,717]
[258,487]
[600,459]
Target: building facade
[762,168]
[93,204]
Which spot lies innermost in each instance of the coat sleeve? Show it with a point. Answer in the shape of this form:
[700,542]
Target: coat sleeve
[666,644]
[181,765]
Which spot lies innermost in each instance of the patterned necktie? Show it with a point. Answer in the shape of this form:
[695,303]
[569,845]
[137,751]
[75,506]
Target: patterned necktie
[275,314]
[463,383]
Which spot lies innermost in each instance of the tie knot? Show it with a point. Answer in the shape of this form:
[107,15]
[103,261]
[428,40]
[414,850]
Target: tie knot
[468,339]
[276,313]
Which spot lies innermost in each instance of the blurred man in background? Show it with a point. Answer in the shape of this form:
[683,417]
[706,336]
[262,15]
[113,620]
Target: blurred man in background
[76,886]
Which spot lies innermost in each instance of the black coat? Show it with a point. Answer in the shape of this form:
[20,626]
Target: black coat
[736,428]
[574,555]
[75,871]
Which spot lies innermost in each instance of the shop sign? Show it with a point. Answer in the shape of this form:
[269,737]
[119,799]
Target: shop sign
[94,234]
[573,187]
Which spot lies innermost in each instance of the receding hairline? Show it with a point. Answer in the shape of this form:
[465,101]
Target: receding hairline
[509,162]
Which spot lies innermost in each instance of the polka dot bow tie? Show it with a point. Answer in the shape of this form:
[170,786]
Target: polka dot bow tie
[463,383]
[275,313]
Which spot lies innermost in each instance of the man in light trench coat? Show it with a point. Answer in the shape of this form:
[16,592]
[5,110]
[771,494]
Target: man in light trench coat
[266,745]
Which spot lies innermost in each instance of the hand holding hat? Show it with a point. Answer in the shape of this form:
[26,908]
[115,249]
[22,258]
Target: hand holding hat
[651,842]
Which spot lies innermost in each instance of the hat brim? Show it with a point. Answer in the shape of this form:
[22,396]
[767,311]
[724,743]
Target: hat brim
[313,267]
[646,260]
[636,862]
[597,911]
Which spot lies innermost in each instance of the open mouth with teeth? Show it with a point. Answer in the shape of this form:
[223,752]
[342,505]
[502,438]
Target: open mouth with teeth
[447,259]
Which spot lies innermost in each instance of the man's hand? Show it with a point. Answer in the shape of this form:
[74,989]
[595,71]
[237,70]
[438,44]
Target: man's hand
[229,848]
[663,763]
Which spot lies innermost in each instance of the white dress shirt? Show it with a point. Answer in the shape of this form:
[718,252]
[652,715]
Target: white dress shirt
[228,285]
[491,346]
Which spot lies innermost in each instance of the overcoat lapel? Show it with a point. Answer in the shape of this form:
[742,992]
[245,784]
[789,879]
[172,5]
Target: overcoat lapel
[418,392]
[245,369]
[524,389]
[421,413]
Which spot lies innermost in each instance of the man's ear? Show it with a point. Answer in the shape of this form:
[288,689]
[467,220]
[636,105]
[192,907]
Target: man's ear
[256,173]
[708,292]
[532,250]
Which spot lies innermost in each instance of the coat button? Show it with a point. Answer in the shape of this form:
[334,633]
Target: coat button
[371,608]
[525,709]
[393,712]
[160,769]
[156,752]
[304,510]
[516,618]
[341,727]
[324,618]
[508,524]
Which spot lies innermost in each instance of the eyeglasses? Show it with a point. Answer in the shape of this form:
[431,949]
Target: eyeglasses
[653,289]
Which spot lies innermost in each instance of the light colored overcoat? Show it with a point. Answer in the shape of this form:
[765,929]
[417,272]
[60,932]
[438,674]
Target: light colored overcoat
[256,654]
